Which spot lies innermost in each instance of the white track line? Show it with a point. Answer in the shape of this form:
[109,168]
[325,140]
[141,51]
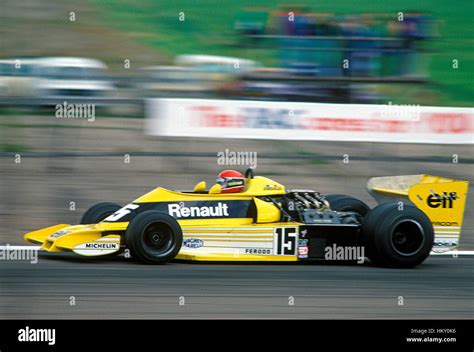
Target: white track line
[454,252]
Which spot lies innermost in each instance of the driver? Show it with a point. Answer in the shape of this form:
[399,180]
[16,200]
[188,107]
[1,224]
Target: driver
[231,181]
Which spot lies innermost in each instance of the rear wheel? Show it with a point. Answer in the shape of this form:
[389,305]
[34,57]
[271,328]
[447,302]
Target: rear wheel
[99,212]
[154,237]
[340,202]
[394,236]
[368,225]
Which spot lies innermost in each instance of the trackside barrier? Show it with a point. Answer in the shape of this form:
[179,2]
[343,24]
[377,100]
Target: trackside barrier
[309,121]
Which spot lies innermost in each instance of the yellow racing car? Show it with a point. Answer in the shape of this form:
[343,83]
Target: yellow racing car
[264,221]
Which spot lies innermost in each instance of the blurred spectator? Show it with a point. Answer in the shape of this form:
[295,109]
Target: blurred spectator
[342,47]
[362,54]
[251,22]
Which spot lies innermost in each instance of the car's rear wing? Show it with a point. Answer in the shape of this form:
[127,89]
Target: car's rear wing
[441,199]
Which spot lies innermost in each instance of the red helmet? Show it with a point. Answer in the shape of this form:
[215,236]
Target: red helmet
[231,181]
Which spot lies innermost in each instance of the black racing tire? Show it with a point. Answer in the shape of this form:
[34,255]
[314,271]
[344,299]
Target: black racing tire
[368,225]
[154,237]
[99,212]
[340,202]
[397,237]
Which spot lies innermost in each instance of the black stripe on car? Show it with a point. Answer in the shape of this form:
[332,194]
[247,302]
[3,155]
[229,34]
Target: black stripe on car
[186,210]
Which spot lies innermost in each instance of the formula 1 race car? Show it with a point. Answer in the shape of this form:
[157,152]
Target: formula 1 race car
[266,222]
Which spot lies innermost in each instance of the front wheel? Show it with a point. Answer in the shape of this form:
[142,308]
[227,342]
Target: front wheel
[154,237]
[399,236]
[99,212]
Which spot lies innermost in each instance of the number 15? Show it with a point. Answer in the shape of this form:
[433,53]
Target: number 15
[285,241]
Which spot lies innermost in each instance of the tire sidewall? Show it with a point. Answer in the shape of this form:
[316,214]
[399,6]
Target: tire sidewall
[382,231]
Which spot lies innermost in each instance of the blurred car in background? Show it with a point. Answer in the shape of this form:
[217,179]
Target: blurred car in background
[17,77]
[71,76]
[174,81]
[193,75]
[217,64]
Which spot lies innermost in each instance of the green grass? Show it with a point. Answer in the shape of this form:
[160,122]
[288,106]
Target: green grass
[208,29]
[13,148]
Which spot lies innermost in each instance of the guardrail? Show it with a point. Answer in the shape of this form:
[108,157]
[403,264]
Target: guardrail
[339,79]
[49,101]
[294,156]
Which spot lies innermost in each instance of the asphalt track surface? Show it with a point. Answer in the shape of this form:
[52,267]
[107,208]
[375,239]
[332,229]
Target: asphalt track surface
[85,164]
[117,288]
